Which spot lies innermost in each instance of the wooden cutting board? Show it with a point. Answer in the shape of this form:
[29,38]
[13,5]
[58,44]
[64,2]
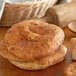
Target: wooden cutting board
[7,69]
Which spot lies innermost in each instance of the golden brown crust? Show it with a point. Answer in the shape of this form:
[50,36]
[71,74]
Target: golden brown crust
[70,70]
[33,39]
[4,52]
[43,63]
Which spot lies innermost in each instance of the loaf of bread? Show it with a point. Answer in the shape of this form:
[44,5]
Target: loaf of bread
[62,14]
[33,45]
[16,12]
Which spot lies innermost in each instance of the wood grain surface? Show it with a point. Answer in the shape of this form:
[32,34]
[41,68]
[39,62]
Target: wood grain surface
[7,69]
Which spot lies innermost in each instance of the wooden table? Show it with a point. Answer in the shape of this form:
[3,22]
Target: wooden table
[7,69]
